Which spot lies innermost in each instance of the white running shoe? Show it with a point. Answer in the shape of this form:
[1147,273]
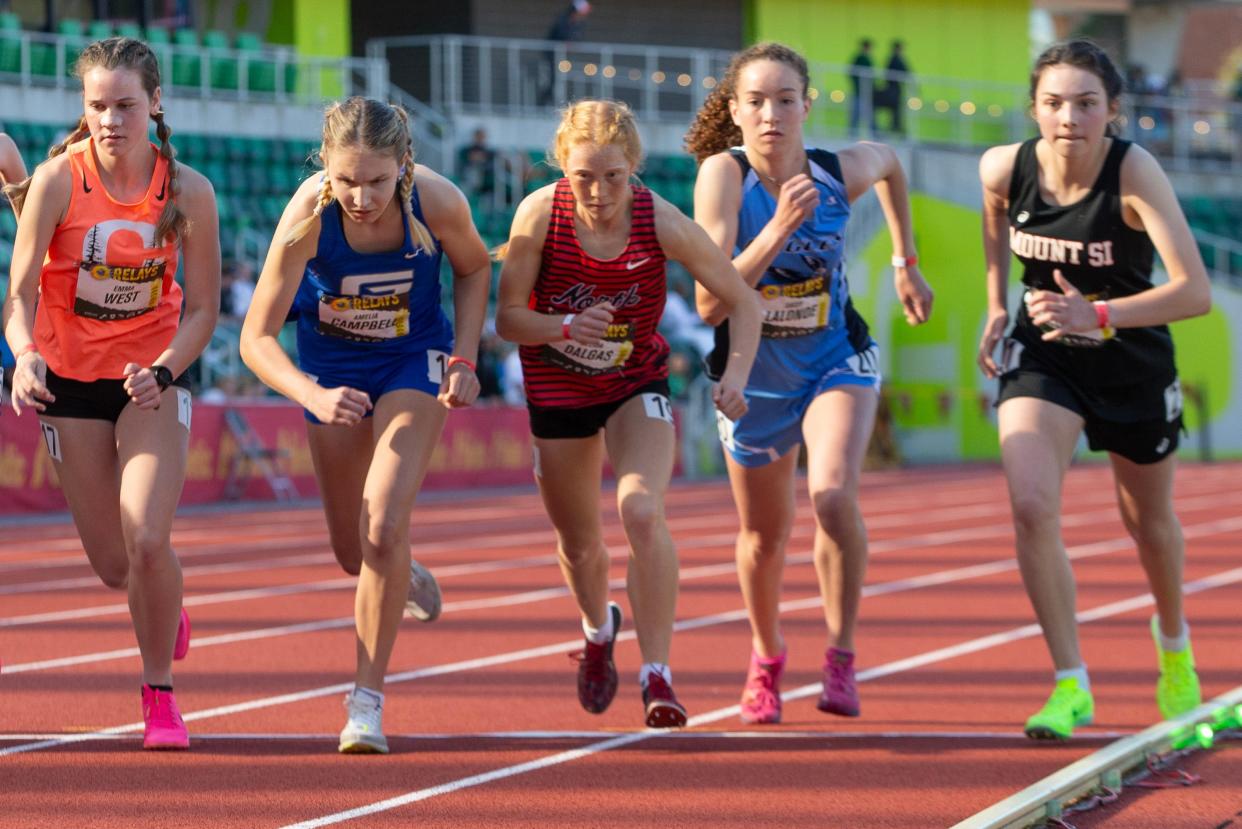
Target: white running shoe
[364,731]
[423,600]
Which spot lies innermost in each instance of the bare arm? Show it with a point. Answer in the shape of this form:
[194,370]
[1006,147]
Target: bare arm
[448,217]
[12,168]
[687,243]
[515,320]
[995,171]
[46,203]
[865,165]
[273,295]
[717,200]
[1146,190]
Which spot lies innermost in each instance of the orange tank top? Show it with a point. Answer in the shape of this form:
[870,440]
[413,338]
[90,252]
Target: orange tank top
[107,294]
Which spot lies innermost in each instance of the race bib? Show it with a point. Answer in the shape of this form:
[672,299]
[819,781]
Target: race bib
[118,292]
[365,319]
[609,355]
[795,310]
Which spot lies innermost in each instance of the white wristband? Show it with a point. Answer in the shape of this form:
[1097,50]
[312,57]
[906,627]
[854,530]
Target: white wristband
[565,323]
[904,261]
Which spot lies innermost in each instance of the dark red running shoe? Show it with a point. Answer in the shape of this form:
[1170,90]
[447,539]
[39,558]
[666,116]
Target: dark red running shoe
[597,673]
[663,709]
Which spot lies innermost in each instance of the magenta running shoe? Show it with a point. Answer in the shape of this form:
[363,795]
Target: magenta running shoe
[761,696]
[182,646]
[164,727]
[840,694]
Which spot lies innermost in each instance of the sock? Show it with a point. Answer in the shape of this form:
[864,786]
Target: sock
[1079,673]
[376,697]
[165,688]
[654,668]
[1173,644]
[601,634]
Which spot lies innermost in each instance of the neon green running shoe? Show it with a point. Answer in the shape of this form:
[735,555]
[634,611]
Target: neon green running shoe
[1177,689]
[1067,707]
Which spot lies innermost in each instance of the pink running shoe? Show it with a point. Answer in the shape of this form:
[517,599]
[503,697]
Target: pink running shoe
[840,694]
[164,727]
[182,646]
[761,696]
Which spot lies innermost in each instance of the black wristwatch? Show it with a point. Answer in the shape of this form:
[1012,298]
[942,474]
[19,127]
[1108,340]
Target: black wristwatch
[163,377]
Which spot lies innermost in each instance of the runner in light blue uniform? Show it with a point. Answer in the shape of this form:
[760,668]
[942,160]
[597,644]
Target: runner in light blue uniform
[372,321]
[813,339]
[780,209]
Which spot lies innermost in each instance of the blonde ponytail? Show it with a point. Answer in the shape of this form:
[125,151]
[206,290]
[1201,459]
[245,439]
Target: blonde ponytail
[301,228]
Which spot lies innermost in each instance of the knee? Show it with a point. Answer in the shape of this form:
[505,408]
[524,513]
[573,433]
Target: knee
[386,536]
[1152,532]
[836,509]
[642,515]
[762,544]
[114,575]
[1035,514]
[147,550]
[579,551]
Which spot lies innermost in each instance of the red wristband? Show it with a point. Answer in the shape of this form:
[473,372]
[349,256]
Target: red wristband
[452,361]
[28,348]
[565,323]
[1101,314]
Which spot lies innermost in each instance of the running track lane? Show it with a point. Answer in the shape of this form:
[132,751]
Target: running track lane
[939,737]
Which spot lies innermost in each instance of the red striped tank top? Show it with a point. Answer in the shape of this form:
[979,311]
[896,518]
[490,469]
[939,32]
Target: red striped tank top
[567,374]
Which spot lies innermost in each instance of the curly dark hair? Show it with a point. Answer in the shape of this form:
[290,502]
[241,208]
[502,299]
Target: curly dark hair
[713,129]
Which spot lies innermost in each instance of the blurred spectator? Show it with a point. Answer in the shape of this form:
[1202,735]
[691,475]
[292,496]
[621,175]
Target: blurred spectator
[681,324]
[863,82]
[236,289]
[511,379]
[476,163]
[893,97]
[490,362]
[566,27]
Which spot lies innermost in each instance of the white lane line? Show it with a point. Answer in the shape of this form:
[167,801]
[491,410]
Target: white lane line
[885,511]
[898,666]
[555,736]
[687,574]
[689,624]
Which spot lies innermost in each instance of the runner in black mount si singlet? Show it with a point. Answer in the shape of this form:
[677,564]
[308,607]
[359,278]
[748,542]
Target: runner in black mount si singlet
[1090,351]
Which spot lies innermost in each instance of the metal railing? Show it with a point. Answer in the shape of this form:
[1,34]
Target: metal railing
[271,73]
[487,76]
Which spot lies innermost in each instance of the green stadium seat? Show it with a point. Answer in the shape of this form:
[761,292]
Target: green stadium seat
[129,29]
[98,30]
[8,222]
[157,35]
[260,71]
[187,66]
[223,64]
[10,43]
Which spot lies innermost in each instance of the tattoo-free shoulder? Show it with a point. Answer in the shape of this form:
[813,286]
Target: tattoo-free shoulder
[996,168]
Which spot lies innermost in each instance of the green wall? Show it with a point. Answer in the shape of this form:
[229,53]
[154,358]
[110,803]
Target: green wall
[978,41]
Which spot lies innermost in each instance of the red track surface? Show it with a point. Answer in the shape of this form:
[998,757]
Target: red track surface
[950,667]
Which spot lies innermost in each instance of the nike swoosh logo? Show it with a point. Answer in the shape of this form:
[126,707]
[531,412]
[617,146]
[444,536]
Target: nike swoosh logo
[85,186]
[411,255]
[629,266]
[160,196]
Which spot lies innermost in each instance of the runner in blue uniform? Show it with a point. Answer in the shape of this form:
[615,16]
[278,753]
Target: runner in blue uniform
[780,210]
[357,255]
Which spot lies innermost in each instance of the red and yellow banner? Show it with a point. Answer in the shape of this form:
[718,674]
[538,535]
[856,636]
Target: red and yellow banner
[480,447]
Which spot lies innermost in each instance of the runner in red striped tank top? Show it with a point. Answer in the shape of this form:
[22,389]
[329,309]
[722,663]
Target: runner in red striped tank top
[581,291]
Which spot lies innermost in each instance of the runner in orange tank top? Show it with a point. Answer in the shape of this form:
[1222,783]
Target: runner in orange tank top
[102,357]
